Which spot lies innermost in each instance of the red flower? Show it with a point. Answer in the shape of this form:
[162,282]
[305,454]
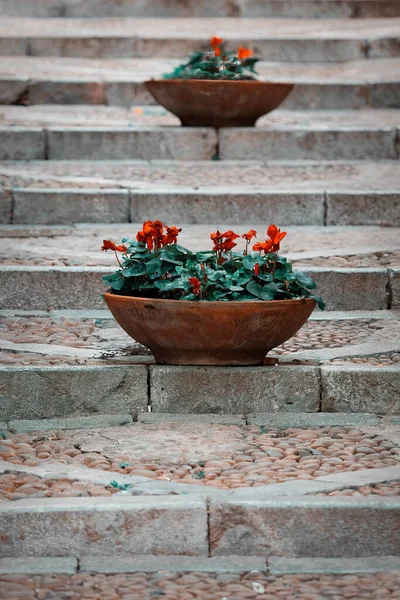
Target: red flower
[263,246]
[151,234]
[109,245]
[215,41]
[276,236]
[171,236]
[256,269]
[196,286]
[229,242]
[249,235]
[244,53]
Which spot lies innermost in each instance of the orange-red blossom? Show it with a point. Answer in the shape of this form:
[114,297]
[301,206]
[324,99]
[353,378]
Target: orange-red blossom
[153,235]
[224,242]
[244,53]
[215,43]
[273,242]
[109,245]
[196,286]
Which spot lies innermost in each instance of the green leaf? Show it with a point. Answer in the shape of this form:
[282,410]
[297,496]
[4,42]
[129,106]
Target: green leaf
[169,257]
[305,281]
[254,288]
[249,63]
[135,270]
[321,304]
[156,268]
[268,291]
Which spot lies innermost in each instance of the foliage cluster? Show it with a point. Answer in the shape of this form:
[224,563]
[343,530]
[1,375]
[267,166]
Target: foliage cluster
[154,265]
[217,64]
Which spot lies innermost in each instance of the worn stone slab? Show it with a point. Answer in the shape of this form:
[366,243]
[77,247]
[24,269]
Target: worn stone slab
[233,389]
[125,143]
[363,477]
[385,94]
[365,289]
[5,207]
[361,388]
[38,566]
[363,208]
[11,88]
[153,418]
[306,144]
[153,564]
[50,288]
[202,8]
[92,422]
[48,207]
[66,92]
[104,527]
[51,392]
[334,566]
[328,527]
[323,419]
[22,143]
[395,288]
[195,206]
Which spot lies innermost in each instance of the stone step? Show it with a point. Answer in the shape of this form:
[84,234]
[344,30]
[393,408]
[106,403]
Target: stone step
[26,206]
[339,362]
[275,39]
[62,266]
[106,133]
[202,8]
[43,80]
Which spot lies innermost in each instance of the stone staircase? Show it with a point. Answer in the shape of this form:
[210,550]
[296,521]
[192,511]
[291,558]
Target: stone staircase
[86,155]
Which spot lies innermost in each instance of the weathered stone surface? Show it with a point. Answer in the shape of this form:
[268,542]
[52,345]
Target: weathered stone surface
[92,422]
[351,289]
[124,143]
[104,527]
[150,564]
[48,392]
[13,46]
[66,92]
[363,476]
[307,144]
[339,566]
[386,94]
[5,206]
[127,93]
[48,207]
[301,527]
[287,421]
[22,143]
[51,288]
[90,46]
[38,566]
[307,96]
[395,287]
[351,388]
[193,206]
[38,9]
[234,389]
[363,208]
[11,89]
[154,418]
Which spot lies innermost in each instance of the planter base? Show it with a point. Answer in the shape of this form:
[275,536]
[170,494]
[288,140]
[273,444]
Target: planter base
[180,332]
[212,103]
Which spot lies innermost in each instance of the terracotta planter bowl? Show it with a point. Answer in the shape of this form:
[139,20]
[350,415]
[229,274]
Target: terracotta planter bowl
[206,103]
[180,332]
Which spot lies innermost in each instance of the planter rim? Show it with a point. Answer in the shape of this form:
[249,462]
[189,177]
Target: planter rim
[213,303]
[224,81]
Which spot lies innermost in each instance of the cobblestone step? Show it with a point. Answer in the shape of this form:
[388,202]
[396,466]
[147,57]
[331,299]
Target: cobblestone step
[275,39]
[202,8]
[43,80]
[104,133]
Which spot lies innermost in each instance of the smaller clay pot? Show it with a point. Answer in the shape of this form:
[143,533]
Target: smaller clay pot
[218,103]
[180,332]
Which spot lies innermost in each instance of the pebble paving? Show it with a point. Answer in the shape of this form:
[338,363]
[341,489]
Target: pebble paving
[202,586]
[105,335]
[222,456]
[377,259]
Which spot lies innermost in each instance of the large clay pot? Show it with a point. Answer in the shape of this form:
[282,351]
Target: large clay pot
[181,332]
[211,103]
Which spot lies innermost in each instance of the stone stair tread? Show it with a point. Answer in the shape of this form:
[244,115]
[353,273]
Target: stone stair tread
[200,28]
[235,176]
[109,117]
[206,8]
[74,69]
